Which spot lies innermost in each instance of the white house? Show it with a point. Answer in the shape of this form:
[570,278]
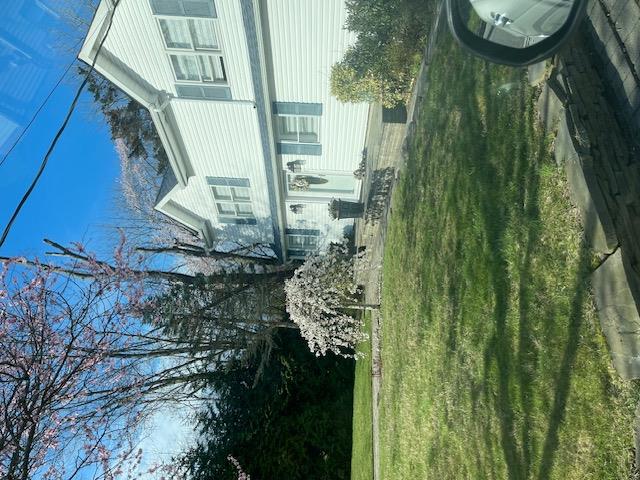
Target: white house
[239,93]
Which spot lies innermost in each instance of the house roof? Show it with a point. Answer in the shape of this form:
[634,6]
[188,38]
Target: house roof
[169,181]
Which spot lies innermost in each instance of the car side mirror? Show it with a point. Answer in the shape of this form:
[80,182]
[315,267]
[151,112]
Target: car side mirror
[514,32]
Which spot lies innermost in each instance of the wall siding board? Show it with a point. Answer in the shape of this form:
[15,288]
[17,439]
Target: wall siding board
[222,141]
[307,37]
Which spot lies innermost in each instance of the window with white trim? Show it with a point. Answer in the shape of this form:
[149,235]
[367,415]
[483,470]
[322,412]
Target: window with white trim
[198,68]
[232,201]
[298,128]
[189,34]
[308,243]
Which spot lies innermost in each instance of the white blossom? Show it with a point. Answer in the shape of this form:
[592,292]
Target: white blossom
[317,296]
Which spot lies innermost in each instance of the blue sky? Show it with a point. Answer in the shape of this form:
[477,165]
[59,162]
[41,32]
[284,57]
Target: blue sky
[75,197]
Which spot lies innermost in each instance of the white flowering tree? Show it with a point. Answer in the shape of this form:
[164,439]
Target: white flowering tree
[319,297]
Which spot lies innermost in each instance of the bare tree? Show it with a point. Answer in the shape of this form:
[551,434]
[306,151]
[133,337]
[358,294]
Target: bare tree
[88,347]
[75,16]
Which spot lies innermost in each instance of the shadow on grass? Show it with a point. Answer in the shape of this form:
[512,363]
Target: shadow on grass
[521,184]
[499,174]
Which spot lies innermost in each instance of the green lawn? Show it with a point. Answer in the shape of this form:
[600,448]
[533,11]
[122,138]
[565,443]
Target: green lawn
[362,452]
[494,364]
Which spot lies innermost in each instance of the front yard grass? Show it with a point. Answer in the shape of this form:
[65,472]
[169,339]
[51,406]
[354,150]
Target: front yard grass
[362,451]
[494,363]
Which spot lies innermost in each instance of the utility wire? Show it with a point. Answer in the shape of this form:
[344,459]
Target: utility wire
[61,130]
[35,115]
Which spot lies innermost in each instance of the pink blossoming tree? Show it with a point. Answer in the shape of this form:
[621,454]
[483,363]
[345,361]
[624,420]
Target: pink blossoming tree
[85,354]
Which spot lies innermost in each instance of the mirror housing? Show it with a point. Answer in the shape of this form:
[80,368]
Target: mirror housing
[517,57]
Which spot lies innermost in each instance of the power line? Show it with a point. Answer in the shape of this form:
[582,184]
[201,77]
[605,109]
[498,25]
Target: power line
[37,112]
[61,130]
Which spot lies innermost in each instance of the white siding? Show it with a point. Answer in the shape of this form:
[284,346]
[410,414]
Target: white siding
[306,38]
[222,139]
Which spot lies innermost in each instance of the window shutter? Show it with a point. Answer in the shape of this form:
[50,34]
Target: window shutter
[203,93]
[217,93]
[184,8]
[199,8]
[238,221]
[189,91]
[228,182]
[297,253]
[295,108]
[298,149]
[166,7]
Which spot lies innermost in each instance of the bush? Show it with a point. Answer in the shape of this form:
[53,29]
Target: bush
[382,63]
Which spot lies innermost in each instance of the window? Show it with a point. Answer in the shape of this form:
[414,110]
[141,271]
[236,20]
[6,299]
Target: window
[191,34]
[198,68]
[203,92]
[232,197]
[233,201]
[184,8]
[299,129]
[301,241]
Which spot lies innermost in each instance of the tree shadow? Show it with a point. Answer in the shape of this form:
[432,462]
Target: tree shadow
[563,379]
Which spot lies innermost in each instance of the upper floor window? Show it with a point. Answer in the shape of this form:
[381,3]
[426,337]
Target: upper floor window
[184,8]
[232,196]
[234,201]
[198,68]
[191,34]
[302,242]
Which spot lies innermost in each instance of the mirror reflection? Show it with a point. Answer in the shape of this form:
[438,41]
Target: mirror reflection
[516,23]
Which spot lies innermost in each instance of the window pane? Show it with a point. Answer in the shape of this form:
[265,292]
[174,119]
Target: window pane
[211,68]
[176,33]
[240,193]
[226,208]
[221,193]
[203,34]
[288,127]
[219,72]
[244,209]
[310,242]
[296,241]
[308,129]
[185,67]
[205,69]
